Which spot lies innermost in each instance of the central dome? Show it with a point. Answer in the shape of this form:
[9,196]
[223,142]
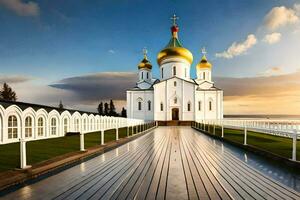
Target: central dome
[174,49]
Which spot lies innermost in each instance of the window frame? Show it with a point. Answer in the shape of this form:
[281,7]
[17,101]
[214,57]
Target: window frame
[40,127]
[12,127]
[174,71]
[149,105]
[28,127]
[53,126]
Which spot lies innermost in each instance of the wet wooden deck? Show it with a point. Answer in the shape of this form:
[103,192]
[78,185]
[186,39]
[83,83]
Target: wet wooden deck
[168,163]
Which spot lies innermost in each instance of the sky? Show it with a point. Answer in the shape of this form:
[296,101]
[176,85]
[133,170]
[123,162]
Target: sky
[84,52]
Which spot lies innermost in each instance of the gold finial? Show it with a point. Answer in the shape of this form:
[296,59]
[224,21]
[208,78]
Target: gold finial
[145,52]
[174,18]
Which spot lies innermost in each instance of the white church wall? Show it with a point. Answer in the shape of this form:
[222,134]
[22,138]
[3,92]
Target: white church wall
[182,68]
[160,98]
[216,99]
[144,97]
[166,92]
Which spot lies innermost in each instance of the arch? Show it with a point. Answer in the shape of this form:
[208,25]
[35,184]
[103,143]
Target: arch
[54,123]
[13,110]
[139,101]
[149,105]
[91,122]
[189,105]
[65,122]
[28,124]
[76,122]
[97,118]
[174,70]
[2,110]
[42,123]
[85,121]
[210,104]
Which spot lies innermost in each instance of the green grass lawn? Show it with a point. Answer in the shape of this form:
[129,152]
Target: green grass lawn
[41,150]
[278,145]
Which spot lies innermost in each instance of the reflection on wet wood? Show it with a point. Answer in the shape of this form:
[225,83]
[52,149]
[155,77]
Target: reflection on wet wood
[168,163]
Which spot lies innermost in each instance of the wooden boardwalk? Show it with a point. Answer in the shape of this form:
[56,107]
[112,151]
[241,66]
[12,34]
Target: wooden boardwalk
[168,163]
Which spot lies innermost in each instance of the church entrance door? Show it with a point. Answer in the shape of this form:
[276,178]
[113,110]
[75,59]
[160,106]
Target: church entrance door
[175,114]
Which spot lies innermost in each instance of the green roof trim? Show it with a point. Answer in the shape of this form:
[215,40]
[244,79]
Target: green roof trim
[174,42]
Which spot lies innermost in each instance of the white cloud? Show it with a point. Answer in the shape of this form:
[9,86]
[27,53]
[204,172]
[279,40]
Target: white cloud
[272,38]
[238,48]
[273,71]
[111,51]
[281,16]
[21,8]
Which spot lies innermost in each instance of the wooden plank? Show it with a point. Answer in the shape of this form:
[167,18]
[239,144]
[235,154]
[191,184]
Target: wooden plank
[150,183]
[176,187]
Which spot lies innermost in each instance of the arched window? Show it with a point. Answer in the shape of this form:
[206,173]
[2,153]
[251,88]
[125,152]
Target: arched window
[12,127]
[210,106]
[142,75]
[139,105]
[189,106]
[175,100]
[149,105]
[84,124]
[53,126]
[77,125]
[161,107]
[147,75]
[91,124]
[40,126]
[66,125]
[28,127]
[175,83]
[203,75]
[174,71]
[162,72]
[199,105]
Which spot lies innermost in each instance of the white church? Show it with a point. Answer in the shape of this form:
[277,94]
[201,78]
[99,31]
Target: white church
[175,95]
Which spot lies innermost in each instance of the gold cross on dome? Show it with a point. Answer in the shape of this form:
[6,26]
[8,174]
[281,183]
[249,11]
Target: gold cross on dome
[145,52]
[203,50]
[174,18]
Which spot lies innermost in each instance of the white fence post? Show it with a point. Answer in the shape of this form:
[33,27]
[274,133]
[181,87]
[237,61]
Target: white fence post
[82,141]
[294,156]
[245,135]
[23,162]
[117,133]
[214,131]
[222,130]
[102,137]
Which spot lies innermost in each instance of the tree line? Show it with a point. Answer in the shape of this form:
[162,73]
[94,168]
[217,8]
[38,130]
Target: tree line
[109,109]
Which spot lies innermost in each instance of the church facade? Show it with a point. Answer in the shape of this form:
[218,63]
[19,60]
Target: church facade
[175,95]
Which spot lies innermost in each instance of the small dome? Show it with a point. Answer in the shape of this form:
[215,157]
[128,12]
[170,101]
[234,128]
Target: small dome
[204,64]
[145,64]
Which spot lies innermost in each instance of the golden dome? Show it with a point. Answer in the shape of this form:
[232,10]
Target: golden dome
[175,52]
[174,49]
[145,64]
[204,64]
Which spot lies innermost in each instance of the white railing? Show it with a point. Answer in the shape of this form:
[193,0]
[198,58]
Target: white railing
[107,124]
[282,128]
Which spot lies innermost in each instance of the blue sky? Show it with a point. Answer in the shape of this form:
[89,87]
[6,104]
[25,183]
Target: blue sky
[52,40]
